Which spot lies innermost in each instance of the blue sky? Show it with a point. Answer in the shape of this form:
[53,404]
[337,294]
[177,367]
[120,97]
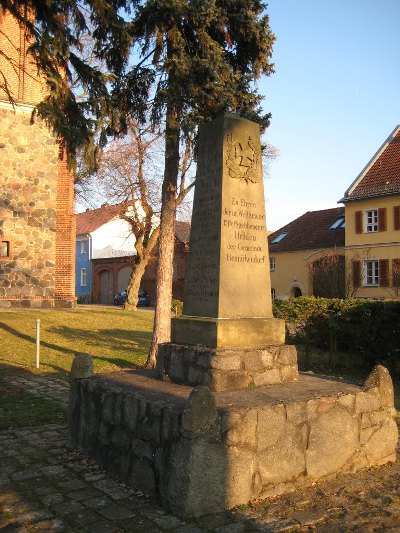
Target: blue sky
[334,99]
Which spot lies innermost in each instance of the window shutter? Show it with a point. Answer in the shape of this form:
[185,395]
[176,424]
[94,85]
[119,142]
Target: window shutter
[384,272]
[396,272]
[356,273]
[359,220]
[396,216]
[382,219]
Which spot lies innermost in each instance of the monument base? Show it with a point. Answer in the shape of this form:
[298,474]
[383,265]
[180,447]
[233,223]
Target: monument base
[202,453]
[227,369]
[228,332]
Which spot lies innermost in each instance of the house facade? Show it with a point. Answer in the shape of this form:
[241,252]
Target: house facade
[350,251]
[37,223]
[307,255]
[372,210]
[105,250]
[102,239]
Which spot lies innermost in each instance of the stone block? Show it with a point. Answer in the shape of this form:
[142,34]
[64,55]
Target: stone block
[228,380]
[252,361]
[381,442]
[240,428]
[200,415]
[229,361]
[380,378]
[120,438]
[271,426]
[286,355]
[228,333]
[268,377]
[130,412]
[347,401]
[242,483]
[366,402]
[284,460]
[267,359]
[289,373]
[176,368]
[82,366]
[333,439]
[196,375]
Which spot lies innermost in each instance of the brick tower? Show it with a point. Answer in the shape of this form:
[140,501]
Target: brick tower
[37,224]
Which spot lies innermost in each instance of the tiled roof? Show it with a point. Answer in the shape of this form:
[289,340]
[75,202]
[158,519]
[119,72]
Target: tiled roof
[92,219]
[310,231]
[381,176]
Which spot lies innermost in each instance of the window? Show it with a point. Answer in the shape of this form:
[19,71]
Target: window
[5,250]
[371,273]
[279,238]
[273,294]
[83,247]
[371,220]
[83,277]
[272,264]
[338,224]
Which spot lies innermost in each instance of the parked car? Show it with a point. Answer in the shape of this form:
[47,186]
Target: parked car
[143,298]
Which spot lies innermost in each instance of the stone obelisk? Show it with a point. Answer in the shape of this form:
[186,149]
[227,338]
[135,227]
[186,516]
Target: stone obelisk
[227,309]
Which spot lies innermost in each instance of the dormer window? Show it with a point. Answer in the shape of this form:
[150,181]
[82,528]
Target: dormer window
[279,238]
[338,224]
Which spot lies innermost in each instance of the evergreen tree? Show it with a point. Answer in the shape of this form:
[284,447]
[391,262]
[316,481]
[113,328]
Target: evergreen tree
[196,60]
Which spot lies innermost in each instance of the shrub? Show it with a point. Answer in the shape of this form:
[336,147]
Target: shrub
[369,328]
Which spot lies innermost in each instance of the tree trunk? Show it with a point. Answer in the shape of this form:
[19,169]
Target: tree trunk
[162,316]
[144,252]
[134,284]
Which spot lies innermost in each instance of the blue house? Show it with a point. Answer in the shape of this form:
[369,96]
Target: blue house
[100,234]
[83,261]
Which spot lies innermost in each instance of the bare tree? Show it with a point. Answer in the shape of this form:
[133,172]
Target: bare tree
[328,274]
[130,175]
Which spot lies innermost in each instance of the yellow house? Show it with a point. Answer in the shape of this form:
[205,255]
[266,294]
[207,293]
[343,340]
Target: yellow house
[372,211]
[346,252]
[307,256]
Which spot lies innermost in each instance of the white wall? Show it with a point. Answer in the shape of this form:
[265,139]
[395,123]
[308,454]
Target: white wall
[113,239]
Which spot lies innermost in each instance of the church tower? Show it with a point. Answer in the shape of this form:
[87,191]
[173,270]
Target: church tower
[37,223]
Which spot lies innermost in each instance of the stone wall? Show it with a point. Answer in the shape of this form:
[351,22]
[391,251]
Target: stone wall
[36,217]
[227,369]
[200,452]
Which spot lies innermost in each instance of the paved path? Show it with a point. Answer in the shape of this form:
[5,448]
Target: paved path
[47,486]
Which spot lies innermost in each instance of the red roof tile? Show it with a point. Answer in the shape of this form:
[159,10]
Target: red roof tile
[310,231]
[92,219]
[381,177]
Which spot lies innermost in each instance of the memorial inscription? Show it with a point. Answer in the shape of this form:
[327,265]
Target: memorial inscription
[228,258]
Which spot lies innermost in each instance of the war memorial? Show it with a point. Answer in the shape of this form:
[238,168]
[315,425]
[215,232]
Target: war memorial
[226,417]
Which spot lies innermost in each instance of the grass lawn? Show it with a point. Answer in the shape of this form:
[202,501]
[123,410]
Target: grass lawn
[115,338]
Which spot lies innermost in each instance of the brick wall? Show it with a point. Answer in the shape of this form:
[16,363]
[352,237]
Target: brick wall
[20,72]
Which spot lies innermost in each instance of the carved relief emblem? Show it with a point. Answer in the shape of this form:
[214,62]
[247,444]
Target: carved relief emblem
[242,159]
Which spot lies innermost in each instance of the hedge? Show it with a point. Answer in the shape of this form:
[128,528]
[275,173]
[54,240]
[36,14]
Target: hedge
[367,328]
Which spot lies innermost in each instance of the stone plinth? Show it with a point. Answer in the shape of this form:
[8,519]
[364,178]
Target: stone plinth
[227,369]
[228,333]
[201,452]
